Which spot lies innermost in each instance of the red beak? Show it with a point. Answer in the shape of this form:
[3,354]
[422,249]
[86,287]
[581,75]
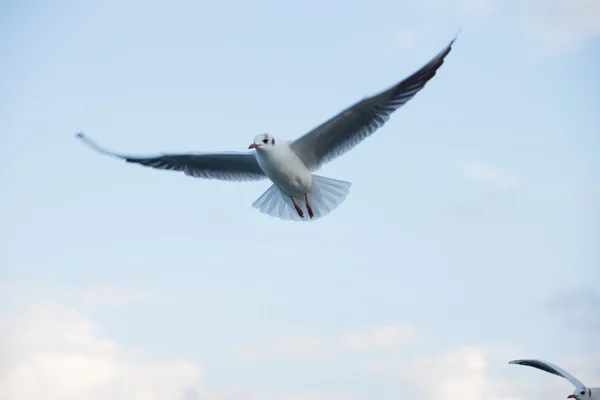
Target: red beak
[571,396]
[254,146]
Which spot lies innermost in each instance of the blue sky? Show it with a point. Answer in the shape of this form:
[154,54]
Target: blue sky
[468,239]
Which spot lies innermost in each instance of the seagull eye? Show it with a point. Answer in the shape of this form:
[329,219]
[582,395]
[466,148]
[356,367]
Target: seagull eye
[583,392]
[265,140]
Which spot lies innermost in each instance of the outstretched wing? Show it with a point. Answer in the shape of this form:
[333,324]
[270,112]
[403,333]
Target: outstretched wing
[231,166]
[351,126]
[550,368]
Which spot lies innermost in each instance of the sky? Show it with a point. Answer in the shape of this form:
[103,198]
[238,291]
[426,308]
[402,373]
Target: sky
[469,237]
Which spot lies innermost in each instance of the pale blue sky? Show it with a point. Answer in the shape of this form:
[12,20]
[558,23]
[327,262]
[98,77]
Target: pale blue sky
[471,212]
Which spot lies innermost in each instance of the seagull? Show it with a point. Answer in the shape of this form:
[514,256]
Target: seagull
[581,391]
[290,165]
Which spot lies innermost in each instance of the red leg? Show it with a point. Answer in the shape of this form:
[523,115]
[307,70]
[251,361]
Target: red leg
[308,208]
[298,209]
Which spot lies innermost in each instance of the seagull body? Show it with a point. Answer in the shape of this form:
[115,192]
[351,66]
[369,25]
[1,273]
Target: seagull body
[581,392]
[286,170]
[291,165]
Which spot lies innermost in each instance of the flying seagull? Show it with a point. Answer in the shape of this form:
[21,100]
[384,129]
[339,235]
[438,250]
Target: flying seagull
[290,165]
[581,392]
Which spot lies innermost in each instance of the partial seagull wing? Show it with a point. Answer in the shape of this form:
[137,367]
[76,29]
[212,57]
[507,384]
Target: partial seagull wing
[231,166]
[550,368]
[351,126]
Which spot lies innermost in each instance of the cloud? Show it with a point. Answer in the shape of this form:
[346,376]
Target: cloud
[403,40]
[469,8]
[91,296]
[238,394]
[560,25]
[116,296]
[492,177]
[399,41]
[475,373]
[384,337]
[455,374]
[577,308]
[52,352]
[380,337]
[301,346]
[550,25]
[318,397]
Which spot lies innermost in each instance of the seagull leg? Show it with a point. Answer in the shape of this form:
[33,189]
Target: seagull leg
[298,209]
[310,211]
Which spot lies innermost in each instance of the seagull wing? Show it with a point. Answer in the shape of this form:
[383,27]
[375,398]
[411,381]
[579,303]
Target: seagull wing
[354,124]
[229,166]
[550,368]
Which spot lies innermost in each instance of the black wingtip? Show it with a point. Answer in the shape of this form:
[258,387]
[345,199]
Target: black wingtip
[449,47]
[457,33]
[94,146]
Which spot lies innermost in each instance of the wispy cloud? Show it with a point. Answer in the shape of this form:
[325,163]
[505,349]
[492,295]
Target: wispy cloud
[560,25]
[469,8]
[551,25]
[380,337]
[318,397]
[577,308]
[116,296]
[385,337]
[488,175]
[90,296]
[474,373]
[404,40]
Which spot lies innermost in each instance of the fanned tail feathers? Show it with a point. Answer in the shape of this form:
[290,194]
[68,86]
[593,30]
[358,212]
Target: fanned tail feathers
[325,196]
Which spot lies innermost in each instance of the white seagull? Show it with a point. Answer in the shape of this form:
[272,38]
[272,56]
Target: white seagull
[290,165]
[581,391]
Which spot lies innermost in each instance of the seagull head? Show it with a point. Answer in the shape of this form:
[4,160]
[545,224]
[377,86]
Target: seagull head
[581,394]
[262,142]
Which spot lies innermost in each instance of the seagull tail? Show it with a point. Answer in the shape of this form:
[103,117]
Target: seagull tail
[325,196]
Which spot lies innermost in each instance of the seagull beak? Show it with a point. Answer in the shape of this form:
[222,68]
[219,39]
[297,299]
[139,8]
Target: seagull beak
[571,396]
[254,146]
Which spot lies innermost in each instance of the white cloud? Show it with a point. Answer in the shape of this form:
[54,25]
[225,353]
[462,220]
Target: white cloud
[551,25]
[469,8]
[116,296]
[318,397]
[475,373]
[404,40]
[52,352]
[301,346]
[481,172]
[400,41]
[384,337]
[380,337]
[237,394]
[91,296]
[560,25]
[457,374]
[577,309]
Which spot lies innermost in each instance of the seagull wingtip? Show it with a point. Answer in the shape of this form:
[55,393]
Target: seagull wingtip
[80,135]
[455,36]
